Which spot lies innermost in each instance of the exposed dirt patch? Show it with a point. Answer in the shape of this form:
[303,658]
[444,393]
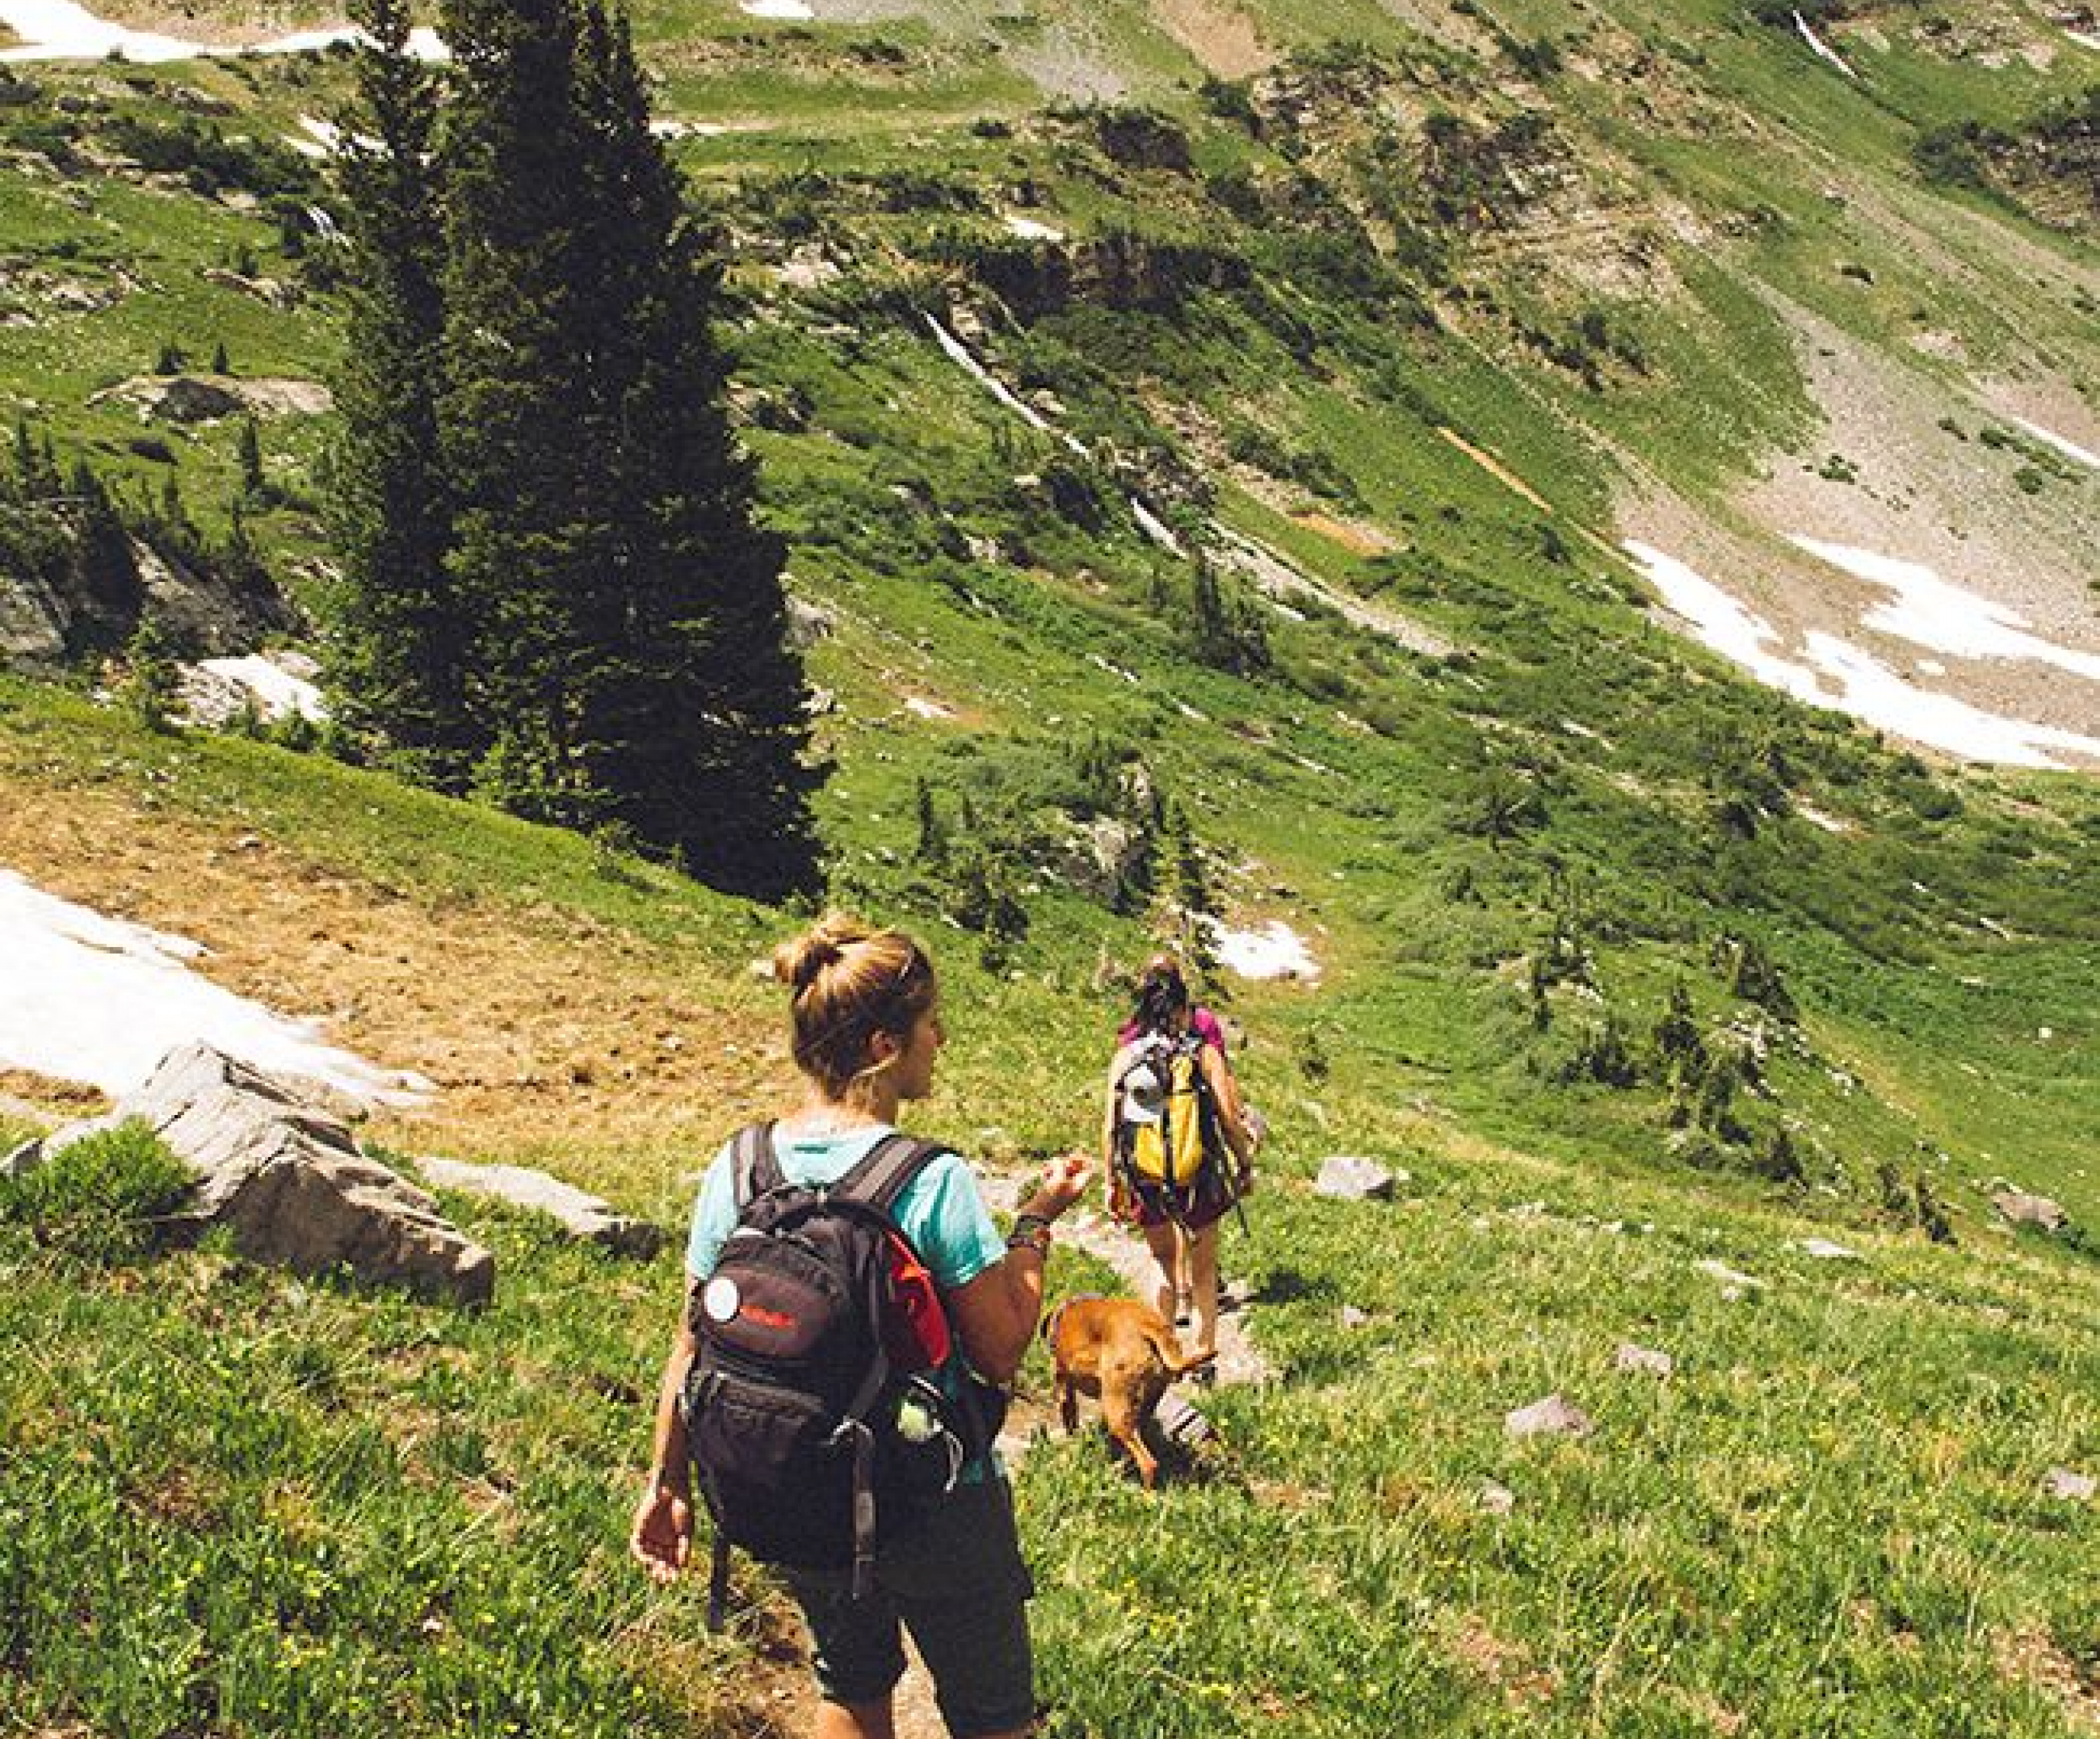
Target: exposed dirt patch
[553,1040]
[1494,1661]
[1353,536]
[2032,1656]
[1218,34]
[40,1097]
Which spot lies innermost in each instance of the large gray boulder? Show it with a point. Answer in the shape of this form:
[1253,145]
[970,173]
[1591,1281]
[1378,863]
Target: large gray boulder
[284,1176]
[188,399]
[582,1215]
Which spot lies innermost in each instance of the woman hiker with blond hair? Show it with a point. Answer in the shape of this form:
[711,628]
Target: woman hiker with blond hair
[867,1031]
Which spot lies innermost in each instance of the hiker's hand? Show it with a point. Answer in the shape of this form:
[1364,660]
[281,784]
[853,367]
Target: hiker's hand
[1064,1181]
[662,1538]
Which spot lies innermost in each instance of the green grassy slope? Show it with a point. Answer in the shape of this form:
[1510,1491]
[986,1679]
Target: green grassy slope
[239,1506]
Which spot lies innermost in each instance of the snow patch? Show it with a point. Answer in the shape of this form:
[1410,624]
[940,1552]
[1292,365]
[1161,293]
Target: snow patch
[64,30]
[795,9]
[323,138]
[1821,48]
[87,998]
[1029,230]
[1155,528]
[1276,951]
[2049,437]
[1843,677]
[926,708]
[958,353]
[2085,39]
[1943,617]
[1829,823]
[1727,626]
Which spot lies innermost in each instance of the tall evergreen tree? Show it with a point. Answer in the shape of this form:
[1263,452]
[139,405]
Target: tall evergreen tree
[555,589]
[523,438]
[701,734]
[104,569]
[399,633]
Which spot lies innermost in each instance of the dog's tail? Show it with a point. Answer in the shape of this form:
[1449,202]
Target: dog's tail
[1177,1362]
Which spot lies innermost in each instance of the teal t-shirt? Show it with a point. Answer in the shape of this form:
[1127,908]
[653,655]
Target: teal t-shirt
[941,1211]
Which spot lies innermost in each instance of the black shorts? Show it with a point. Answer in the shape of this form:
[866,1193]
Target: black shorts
[956,1579]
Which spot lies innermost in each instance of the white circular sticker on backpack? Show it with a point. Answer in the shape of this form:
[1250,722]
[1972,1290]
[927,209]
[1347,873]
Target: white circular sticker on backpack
[720,1299]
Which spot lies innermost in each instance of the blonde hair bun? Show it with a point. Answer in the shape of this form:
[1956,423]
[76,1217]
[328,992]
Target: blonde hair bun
[802,960]
[851,982]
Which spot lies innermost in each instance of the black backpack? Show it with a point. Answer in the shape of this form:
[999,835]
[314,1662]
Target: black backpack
[810,1432]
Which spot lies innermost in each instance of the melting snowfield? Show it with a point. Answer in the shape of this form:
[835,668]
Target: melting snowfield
[86,998]
[1933,613]
[278,692]
[1276,951]
[64,30]
[1831,672]
[1822,50]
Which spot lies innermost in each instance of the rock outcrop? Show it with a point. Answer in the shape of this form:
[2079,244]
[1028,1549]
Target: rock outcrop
[2020,1207]
[1345,1177]
[582,1215]
[284,1176]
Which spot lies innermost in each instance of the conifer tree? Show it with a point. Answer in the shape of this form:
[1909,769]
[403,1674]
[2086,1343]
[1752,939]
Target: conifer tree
[521,440]
[399,634]
[247,455]
[105,571]
[555,589]
[699,733]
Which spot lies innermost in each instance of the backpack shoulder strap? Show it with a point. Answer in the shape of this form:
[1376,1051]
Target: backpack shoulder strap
[755,1167]
[887,1169]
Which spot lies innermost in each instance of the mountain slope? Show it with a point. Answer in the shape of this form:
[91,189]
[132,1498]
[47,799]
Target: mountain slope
[1407,321]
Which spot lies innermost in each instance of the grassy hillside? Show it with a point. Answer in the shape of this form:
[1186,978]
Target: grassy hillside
[287,1507]
[1405,316]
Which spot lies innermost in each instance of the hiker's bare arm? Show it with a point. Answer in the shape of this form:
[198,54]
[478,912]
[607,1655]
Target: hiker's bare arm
[1225,1095]
[996,1313]
[662,1535]
[1226,1086]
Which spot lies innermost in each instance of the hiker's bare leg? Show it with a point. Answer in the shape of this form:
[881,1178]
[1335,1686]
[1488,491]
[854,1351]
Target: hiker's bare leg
[1164,1242]
[1203,1285]
[855,1721]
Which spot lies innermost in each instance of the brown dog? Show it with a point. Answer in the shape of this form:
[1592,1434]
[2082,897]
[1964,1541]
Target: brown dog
[1124,1354]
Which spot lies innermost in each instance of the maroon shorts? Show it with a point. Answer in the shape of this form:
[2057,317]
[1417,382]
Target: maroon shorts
[1193,1206]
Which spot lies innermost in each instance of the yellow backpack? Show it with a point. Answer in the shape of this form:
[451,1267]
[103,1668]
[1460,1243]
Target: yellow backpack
[1169,1129]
